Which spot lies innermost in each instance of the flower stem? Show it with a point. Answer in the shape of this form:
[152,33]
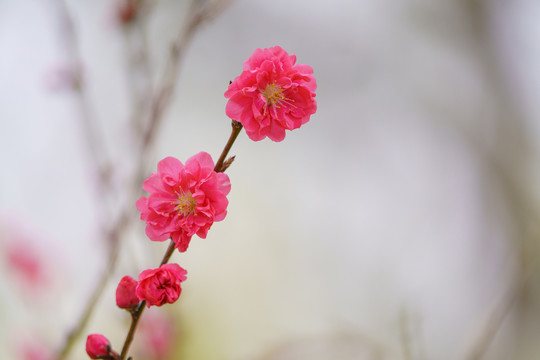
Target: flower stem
[236,128]
[168,253]
[136,314]
[221,166]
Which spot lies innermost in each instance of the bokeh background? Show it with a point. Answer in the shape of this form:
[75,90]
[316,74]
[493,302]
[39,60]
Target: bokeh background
[401,222]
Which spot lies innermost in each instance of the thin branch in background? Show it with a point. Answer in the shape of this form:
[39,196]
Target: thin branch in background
[494,323]
[101,166]
[405,334]
[90,131]
[138,67]
[507,163]
[410,332]
[160,101]
[197,15]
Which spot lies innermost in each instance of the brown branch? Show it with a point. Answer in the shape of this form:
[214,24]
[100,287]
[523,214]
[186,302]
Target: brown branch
[136,315]
[159,103]
[221,165]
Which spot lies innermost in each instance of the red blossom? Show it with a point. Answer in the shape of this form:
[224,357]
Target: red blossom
[184,200]
[125,293]
[97,346]
[272,94]
[162,285]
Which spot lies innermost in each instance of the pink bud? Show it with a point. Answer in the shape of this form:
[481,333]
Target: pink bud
[97,346]
[125,293]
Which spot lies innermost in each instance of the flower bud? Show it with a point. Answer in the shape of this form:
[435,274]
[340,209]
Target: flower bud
[97,346]
[125,293]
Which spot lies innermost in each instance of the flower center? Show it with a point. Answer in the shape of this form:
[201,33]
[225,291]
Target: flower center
[185,205]
[273,94]
[275,98]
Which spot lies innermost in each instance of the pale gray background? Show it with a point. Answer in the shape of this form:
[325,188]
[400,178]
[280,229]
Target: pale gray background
[390,209]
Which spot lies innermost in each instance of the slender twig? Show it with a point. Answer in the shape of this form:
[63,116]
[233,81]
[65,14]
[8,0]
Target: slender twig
[404,330]
[158,104]
[197,15]
[78,84]
[507,164]
[138,68]
[168,254]
[134,321]
[236,128]
[136,315]
[76,332]
[501,311]
[98,160]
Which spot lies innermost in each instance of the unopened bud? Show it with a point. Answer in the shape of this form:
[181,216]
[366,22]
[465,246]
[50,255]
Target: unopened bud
[97,346]
[125,293]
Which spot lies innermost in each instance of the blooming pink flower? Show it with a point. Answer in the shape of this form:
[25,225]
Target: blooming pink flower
[126,297]
[97,346]
[184,200]
[272,94]
[162,285]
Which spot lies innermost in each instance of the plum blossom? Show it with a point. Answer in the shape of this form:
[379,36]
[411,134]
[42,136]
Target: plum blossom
[125,293]
[162,285]
[184,200]
[98,347]
[273,94]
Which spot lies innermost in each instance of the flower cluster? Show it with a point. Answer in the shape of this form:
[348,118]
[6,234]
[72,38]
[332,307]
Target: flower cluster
[155,287]
[273,94]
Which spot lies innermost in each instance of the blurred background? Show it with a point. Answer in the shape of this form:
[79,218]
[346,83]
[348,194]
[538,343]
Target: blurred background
[401,222]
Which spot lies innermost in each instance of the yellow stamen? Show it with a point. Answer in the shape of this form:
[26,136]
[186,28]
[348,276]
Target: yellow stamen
[273,94]
[185,205]
[275,97]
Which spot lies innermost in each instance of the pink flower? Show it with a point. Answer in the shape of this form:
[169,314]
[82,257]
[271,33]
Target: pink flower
[272,94]
[126,297]
[158,335]
[34,350]
[162,285]
[26,263]
[184,200]
[97,346]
